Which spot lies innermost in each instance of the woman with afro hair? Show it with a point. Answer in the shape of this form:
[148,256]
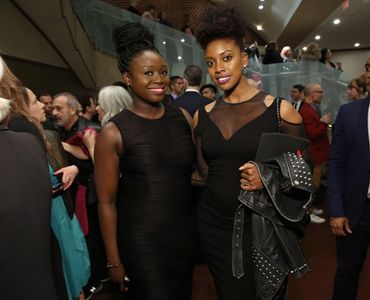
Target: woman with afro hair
[143,162]
[227,134]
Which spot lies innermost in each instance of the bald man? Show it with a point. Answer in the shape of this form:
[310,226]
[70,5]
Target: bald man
[316,132]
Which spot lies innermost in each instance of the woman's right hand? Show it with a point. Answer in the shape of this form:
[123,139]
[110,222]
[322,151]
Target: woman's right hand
[117,274]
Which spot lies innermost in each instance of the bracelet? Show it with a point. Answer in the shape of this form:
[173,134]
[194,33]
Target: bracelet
[109,265]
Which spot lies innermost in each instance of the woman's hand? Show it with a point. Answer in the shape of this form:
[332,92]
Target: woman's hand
[75,151]
[250,178]
[69,175]
[117,274]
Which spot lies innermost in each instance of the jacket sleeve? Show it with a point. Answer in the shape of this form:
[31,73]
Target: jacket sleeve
[337,166]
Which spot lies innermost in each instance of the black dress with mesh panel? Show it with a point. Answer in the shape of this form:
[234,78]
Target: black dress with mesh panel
[156,222]
[227,137]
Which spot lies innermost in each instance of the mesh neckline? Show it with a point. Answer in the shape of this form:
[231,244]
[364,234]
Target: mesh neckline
[255,97]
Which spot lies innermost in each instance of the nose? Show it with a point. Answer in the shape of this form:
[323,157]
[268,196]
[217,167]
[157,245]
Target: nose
[219,66]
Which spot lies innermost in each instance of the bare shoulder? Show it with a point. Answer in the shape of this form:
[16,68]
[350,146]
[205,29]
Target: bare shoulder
[207,108]
[288,113]
[110,137]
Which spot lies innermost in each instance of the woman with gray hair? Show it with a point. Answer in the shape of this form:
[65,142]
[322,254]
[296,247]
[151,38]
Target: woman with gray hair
[112,100]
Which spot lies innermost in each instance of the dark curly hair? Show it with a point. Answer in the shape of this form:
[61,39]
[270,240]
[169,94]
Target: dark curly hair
[131,39]
[219,23]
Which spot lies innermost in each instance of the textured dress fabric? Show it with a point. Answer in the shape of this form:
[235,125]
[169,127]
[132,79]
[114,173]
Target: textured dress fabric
[156,223]
[228,137]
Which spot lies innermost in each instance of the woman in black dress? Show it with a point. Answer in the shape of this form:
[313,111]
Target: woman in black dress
[227,133]
[143,161]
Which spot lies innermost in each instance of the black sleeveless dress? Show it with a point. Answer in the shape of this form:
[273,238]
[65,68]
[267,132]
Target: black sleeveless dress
[156,223]
[228,137]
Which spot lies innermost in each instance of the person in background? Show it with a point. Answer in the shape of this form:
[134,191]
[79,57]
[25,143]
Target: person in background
[312,53]
[286,54]
[177,88]
[297,55]
[297,96]
[209,91]
[349,193]
[326,56]
[143,162]
[357,88]
[25,258]
[133,7]
[47,100]
[227,132]
[88,106]
[191,99]
[316,131]
[111,101]
[272,56]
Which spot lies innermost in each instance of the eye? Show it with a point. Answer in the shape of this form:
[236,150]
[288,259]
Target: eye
[165,73]
[148,73]
[210,63]
[227,58]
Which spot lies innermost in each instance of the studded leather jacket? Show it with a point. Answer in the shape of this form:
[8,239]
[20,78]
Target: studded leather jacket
[278,217]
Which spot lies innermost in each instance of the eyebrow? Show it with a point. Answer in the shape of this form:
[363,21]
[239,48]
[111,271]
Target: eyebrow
[223,52]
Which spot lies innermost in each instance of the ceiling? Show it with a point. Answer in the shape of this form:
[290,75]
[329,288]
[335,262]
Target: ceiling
[297,22]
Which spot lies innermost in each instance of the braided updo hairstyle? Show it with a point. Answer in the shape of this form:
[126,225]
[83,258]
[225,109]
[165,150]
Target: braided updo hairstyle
[220,23]
[131,39]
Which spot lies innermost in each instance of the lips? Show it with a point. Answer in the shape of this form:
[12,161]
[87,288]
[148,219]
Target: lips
[223,79]
[158,91]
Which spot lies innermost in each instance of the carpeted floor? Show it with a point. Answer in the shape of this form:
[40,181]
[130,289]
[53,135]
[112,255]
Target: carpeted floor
[319,248]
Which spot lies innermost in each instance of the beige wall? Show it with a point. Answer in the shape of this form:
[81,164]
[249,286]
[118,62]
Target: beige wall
[353,61]
[20,38]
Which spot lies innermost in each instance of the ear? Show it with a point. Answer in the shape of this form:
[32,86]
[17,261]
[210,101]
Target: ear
[245,59]
[126,78]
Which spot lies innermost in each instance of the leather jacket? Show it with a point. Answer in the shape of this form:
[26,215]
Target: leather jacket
[278,216]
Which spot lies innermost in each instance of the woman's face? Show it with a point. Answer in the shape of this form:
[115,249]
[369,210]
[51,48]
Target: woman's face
[225,61]
[101,112]
[353,93]
[36,108]
[147,77]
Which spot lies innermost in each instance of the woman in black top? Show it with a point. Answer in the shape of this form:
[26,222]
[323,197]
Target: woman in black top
[227,133]
[143,161]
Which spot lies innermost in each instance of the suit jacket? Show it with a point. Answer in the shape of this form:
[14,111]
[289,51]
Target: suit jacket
[349,162]
[316,132]
[191,101]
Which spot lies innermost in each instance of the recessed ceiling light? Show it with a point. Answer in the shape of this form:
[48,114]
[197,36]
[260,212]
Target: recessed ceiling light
[259,27]
[356,44]
[262,0]
[304,48]
[164,42]
[182,40]
[179,58]
[260,7]
[336,21]
[317,37]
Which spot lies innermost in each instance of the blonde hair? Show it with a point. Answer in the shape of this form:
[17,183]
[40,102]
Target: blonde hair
[113,99]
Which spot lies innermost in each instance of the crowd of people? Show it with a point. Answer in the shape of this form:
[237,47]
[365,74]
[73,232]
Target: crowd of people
[136,184]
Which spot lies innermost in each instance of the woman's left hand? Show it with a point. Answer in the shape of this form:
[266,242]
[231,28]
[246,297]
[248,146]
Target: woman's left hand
[69,175]
[250,178]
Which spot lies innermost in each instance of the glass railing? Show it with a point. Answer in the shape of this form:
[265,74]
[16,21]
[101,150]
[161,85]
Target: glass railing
[100,18]
[278,79]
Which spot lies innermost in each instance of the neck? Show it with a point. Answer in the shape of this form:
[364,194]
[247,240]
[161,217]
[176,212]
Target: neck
[241,92]
[70,123]
[147,110]
[193,87]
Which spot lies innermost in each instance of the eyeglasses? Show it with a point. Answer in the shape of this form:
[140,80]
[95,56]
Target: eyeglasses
[367,67]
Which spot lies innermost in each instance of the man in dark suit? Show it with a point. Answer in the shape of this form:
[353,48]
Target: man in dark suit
[349,193]
[191,100]
[177,87]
